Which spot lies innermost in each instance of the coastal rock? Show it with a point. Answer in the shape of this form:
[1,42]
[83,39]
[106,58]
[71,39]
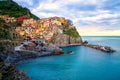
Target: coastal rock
[8,71]
[57,51]
[65,40]
[17,56]
[61,40]
[99,47]
[75,40]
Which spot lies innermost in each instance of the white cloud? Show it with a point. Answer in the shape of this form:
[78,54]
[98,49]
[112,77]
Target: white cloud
[47,6]
[95,18]
[97,31]
[100,14]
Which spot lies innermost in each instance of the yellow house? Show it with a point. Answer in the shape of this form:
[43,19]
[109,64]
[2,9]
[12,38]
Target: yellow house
[1,17]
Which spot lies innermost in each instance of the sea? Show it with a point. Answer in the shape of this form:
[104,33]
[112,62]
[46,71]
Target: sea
[85,64]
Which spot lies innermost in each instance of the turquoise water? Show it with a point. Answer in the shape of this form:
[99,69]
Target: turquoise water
[84,64]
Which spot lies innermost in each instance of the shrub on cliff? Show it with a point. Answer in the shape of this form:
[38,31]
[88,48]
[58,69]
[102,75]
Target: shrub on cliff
[72,32]
[4,34]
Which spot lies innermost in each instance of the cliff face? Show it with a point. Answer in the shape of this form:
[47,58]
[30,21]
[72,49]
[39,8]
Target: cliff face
[68,35]
[75,40]
[60,40]
[65,40]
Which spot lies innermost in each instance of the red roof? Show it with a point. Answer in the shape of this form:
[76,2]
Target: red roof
[21,18]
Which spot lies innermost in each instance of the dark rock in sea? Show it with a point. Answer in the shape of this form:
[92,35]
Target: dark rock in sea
[58,51]
[99,47]
[85,42]
[70,52]
[106,49]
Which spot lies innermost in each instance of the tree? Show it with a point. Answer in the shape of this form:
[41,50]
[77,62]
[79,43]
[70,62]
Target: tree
[11,8]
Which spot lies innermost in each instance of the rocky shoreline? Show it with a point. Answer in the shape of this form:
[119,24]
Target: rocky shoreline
[8,71]
[94,46]
[31,50]
[99,47]
[9,59]
[17,56]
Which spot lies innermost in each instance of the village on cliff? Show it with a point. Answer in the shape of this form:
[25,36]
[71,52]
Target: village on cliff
[31,29]
[35,29]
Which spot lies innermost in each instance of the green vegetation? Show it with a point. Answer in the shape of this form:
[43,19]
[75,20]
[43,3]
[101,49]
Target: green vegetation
[14,24]
[4,32]
[71,32]
[11,8]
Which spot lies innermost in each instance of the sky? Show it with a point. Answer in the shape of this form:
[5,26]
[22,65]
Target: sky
[91,17]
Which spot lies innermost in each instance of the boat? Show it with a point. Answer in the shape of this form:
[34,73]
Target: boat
[70,52]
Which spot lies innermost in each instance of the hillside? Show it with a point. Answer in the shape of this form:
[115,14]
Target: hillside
[11,8]
[18,23]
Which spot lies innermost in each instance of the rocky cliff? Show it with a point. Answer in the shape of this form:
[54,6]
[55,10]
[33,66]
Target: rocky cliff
[65,40]
[9,72]
[68,35]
